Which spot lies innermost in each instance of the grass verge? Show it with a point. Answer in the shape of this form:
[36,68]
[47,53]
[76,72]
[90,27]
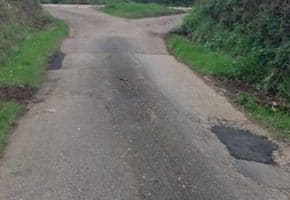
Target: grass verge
[271,118]
[137,10]
[23,70]
[200,59]
[8,114]
[26,64]
[220,65]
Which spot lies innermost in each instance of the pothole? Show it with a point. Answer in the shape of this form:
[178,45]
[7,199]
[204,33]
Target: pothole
[55,61]
[244,145]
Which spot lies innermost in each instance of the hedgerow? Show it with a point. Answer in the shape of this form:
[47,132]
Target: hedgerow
[255,32]
[169,2]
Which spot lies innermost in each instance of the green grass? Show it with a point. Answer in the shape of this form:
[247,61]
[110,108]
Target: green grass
[220,65]
[26,64]
[271,118]
[8,114]
[137,10]
[199,58]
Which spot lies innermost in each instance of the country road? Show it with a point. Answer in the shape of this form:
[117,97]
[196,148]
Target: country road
[123,120]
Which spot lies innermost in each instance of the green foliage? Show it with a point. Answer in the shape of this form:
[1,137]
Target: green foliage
[201,59]
[26,63]
[17,17]
[8,113]
[255,33]
[169,2]
[137,10]
[10,34]
[22,11]
[270,117]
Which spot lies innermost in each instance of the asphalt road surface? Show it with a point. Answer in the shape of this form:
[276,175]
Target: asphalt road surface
[123,120]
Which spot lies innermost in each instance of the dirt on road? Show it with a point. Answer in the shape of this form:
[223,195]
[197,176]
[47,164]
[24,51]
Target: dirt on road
[122,119]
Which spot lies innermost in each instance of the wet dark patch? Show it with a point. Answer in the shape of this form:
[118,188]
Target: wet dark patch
[55,61]
[245,145]
[20,94]
[165,164]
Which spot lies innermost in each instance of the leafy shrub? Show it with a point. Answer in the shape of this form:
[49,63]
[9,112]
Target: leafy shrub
[255,32]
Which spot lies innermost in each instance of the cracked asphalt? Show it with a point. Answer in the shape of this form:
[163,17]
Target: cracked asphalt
[123,120]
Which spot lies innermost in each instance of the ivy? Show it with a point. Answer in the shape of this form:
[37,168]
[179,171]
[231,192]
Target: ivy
[255,32]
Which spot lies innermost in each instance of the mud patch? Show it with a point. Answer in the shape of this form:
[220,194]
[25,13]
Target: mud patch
[55,61]
[20,94]
[244,145]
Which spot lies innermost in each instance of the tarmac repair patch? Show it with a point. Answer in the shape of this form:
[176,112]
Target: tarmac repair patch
[244,145]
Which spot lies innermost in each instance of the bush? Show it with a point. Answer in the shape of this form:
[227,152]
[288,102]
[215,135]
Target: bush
[255,32]
[169,2]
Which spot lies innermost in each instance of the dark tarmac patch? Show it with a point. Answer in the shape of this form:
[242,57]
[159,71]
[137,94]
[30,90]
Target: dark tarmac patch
[20,94]
[55,61]
[244,145]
